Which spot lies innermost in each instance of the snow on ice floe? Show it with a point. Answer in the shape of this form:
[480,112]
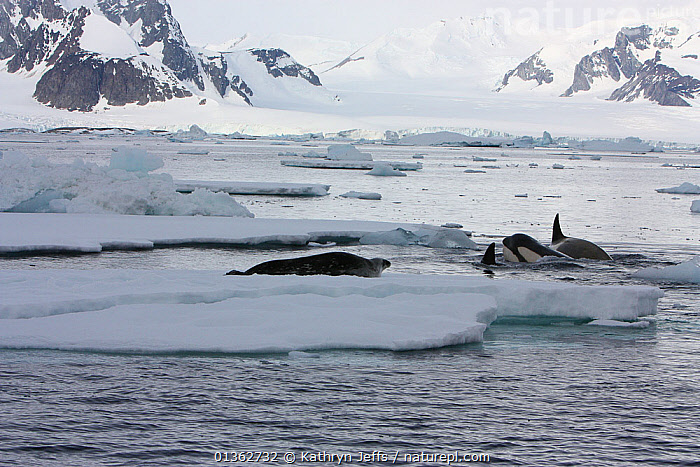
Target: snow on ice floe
[362,195]
[445,238]
[124,187]
[20,232]
[128,310]
[613,323]
[688,272]
[685,188]
[254,188]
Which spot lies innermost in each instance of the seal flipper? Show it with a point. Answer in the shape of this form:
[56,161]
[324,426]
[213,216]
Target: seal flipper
[557,235]
[489,257]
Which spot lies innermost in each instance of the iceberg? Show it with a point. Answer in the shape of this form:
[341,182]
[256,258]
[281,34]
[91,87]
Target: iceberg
[165,311]
[695,206]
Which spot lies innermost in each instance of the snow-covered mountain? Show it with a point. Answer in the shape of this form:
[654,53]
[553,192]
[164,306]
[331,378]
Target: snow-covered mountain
[115,52]
[659,64]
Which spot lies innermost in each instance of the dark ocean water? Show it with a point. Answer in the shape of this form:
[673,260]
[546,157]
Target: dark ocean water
[545,392]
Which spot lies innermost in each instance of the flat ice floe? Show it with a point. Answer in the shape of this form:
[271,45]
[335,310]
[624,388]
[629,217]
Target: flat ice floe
[254,188]
[349,164]
[695,206]
[128,310]
[46,232]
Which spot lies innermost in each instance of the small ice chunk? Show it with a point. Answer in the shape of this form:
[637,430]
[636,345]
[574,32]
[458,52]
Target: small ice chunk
[557,166]
[400,237]
[134,160]
[688,272]
[619,324]
[385,170]
[361,195]
[347,152]
[521,195]
[695,207]
[313,155]
[452,225]
[685,188]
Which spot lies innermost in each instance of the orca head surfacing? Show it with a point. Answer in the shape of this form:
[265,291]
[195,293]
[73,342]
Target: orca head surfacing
[521,248]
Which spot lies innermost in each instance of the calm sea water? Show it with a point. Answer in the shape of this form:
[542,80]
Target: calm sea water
[535,392]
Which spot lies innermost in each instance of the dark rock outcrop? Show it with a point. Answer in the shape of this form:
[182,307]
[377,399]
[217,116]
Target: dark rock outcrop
[658,83]
[609,62]
[534,68]
[157,25]
[279,63]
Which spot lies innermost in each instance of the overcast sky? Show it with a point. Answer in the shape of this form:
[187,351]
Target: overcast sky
[216,21]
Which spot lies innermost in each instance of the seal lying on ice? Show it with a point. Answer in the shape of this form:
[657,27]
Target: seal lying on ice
[327,264]
[576,248]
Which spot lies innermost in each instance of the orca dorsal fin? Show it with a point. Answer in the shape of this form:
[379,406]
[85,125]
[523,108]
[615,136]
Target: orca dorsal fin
[557,236]
[489,257]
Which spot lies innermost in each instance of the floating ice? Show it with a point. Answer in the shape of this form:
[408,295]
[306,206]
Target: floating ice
[313,155]
[385,170]
[685,188]
[344,152]
[433,238]
[557,166]
[619,324]
[362,195]
[125,187]
[688,272]
[255,188]
[128,310]
[695,206]
[349,164]
[134,160]
[195,132]
[91,233]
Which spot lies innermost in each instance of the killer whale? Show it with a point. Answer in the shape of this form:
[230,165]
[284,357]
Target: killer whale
[328,264]
[521,248]
[576,248]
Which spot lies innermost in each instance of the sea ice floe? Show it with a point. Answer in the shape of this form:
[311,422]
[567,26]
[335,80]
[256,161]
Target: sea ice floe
[129,310]
[362,195]
[685,188]
[688,272]
[695,206]
[254,188]
[92,233]
[385,170]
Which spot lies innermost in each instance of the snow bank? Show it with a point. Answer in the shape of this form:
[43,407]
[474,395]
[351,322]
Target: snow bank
[92,233]
[385,170]
[695,206]
[254,188]
[685,272]
[347,152]
[125,187]
[207,311]
[362,195]
[685,188]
